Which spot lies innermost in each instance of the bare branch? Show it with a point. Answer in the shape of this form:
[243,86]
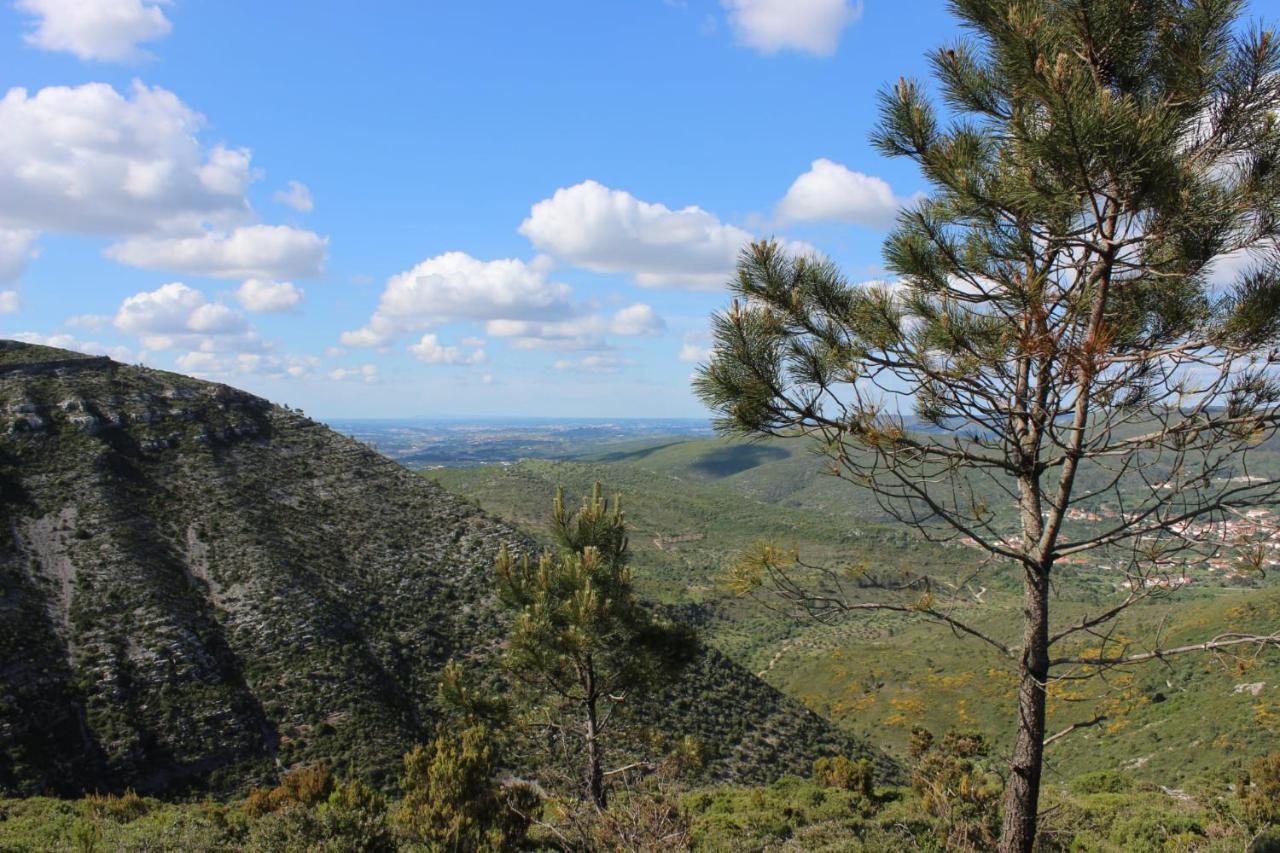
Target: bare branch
[1074,727]
[1222,641]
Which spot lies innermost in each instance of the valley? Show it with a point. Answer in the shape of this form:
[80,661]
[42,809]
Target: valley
[696,504]
[424,443]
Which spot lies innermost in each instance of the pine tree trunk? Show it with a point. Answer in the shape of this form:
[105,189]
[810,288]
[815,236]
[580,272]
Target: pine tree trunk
[595,765]
[1022,794]
[595,768]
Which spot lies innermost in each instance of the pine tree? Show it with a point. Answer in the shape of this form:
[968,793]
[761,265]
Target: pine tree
[1065,321]
[579,636]
[451,800]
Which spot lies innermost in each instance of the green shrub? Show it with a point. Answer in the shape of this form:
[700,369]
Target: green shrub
[86,836]
[307,785]
[358,813]
[1100,782]
[954,784]
[1267,841]
[452,802]
[841,772]
[121,809]
[302,786]
[1154,832]
[352,818]
[732,817]
[645,819]
[1262,797]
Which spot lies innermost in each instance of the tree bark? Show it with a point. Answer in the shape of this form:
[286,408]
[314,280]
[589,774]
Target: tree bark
[595,764]
[1022,791]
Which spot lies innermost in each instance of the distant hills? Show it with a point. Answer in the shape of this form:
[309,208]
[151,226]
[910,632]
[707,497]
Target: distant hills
[427,443]
[694,504]
[198,588]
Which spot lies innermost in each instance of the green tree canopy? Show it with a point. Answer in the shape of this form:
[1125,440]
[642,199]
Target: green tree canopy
[579,636]
[1086,305]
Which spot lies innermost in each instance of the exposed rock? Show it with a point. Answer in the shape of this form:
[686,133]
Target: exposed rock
[197,587]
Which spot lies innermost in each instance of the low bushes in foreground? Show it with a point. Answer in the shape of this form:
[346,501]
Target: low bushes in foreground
[946,807]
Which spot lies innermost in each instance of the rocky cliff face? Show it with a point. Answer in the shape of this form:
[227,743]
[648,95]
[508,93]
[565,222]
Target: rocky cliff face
[198,587]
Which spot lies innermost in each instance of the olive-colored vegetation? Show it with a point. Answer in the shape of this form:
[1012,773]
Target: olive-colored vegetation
[448,800]
[880,676]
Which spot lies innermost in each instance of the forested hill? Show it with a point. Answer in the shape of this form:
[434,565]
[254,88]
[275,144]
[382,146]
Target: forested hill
[198,588]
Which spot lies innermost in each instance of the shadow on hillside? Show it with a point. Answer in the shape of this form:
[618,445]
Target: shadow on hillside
[633,455]
[736,458]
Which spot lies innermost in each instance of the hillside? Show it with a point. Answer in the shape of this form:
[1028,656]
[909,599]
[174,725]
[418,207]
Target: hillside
[695,504]
[788,473]
[198,587]
[785,473]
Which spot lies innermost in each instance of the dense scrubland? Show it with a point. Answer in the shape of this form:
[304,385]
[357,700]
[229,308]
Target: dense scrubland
[949,804]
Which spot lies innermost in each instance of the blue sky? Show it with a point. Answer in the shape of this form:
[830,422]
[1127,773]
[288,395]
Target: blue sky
[429,208]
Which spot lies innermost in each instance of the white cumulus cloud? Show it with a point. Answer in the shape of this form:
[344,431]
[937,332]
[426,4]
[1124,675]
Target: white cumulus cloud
[831,191]
[808,26]
[175,316]
[367,373]
[89,159]
[456,286]
[429,350]
[268,365]
[108,30]
[593,364]
[9,302]
[579,333]
[169,309]
[15,250]
[297,195]
[264,296]
[251,251]
[605,230]
[695,348]
[585,332]
[637,320]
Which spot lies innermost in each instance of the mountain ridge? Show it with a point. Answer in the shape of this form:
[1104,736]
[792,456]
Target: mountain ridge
[198,588]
